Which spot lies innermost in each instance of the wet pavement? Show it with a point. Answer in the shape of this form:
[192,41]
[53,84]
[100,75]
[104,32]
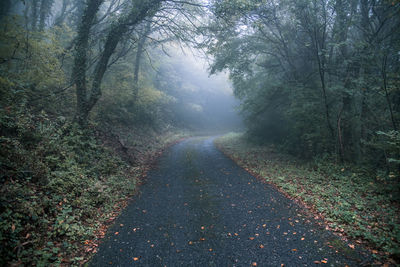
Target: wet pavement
[198,208]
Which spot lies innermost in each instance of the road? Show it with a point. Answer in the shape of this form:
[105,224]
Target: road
[198,208]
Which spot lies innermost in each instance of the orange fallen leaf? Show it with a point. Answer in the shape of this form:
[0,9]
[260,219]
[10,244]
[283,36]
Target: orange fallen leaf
[210,249]
[324,261]
[135,258]
[294,249]
[254,264]
[374,251]
[261,246]
[190,243]
[202,239]
[351,246]
[278,226]
[302,238]
[116,233]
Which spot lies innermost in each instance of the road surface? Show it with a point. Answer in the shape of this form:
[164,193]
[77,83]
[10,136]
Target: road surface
[198,208]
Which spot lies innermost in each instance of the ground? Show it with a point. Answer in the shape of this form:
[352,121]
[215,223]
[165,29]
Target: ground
[198,208]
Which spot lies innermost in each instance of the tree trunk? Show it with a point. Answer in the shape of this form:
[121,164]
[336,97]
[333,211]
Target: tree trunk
[86,102]
[34,19]
[80,60]
[45,9]
[5,6]
[384,80]
[139,53]
[60,19]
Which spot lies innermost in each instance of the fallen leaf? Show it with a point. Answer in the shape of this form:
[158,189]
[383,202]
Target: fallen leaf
[254,264]
[317,262]
[261,246]
[264,225]
[251,238]
[302,238]
[116,233]
[190,243]
[351,246]
[324,261]
[135,258]
[294,249]
[374,251]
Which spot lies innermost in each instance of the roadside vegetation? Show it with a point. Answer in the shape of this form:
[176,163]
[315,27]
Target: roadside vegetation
[61,185]
[352,201]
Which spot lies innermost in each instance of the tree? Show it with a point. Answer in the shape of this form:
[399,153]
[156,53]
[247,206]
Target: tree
[86,100]
[313,72]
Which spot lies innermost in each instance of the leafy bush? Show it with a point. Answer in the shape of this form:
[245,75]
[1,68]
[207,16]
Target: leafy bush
[54,179]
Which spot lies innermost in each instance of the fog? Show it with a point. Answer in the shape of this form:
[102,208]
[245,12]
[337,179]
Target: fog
[202,103]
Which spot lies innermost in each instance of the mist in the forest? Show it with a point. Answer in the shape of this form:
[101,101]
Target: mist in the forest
[203,103]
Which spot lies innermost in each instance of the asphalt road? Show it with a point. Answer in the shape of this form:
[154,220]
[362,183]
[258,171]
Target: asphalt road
[198,208]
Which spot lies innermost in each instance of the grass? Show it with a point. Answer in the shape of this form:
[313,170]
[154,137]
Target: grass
[353,203]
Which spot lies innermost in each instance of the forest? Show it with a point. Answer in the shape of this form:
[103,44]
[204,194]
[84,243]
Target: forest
[93,90]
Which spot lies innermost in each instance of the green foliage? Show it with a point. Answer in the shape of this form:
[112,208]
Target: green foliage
[390,143]
[55,180]
[308,74]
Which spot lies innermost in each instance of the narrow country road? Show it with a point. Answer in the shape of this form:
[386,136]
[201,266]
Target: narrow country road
[198,208]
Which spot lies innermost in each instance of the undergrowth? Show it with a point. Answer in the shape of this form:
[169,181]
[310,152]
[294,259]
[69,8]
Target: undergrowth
[352,200]
[58,184]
